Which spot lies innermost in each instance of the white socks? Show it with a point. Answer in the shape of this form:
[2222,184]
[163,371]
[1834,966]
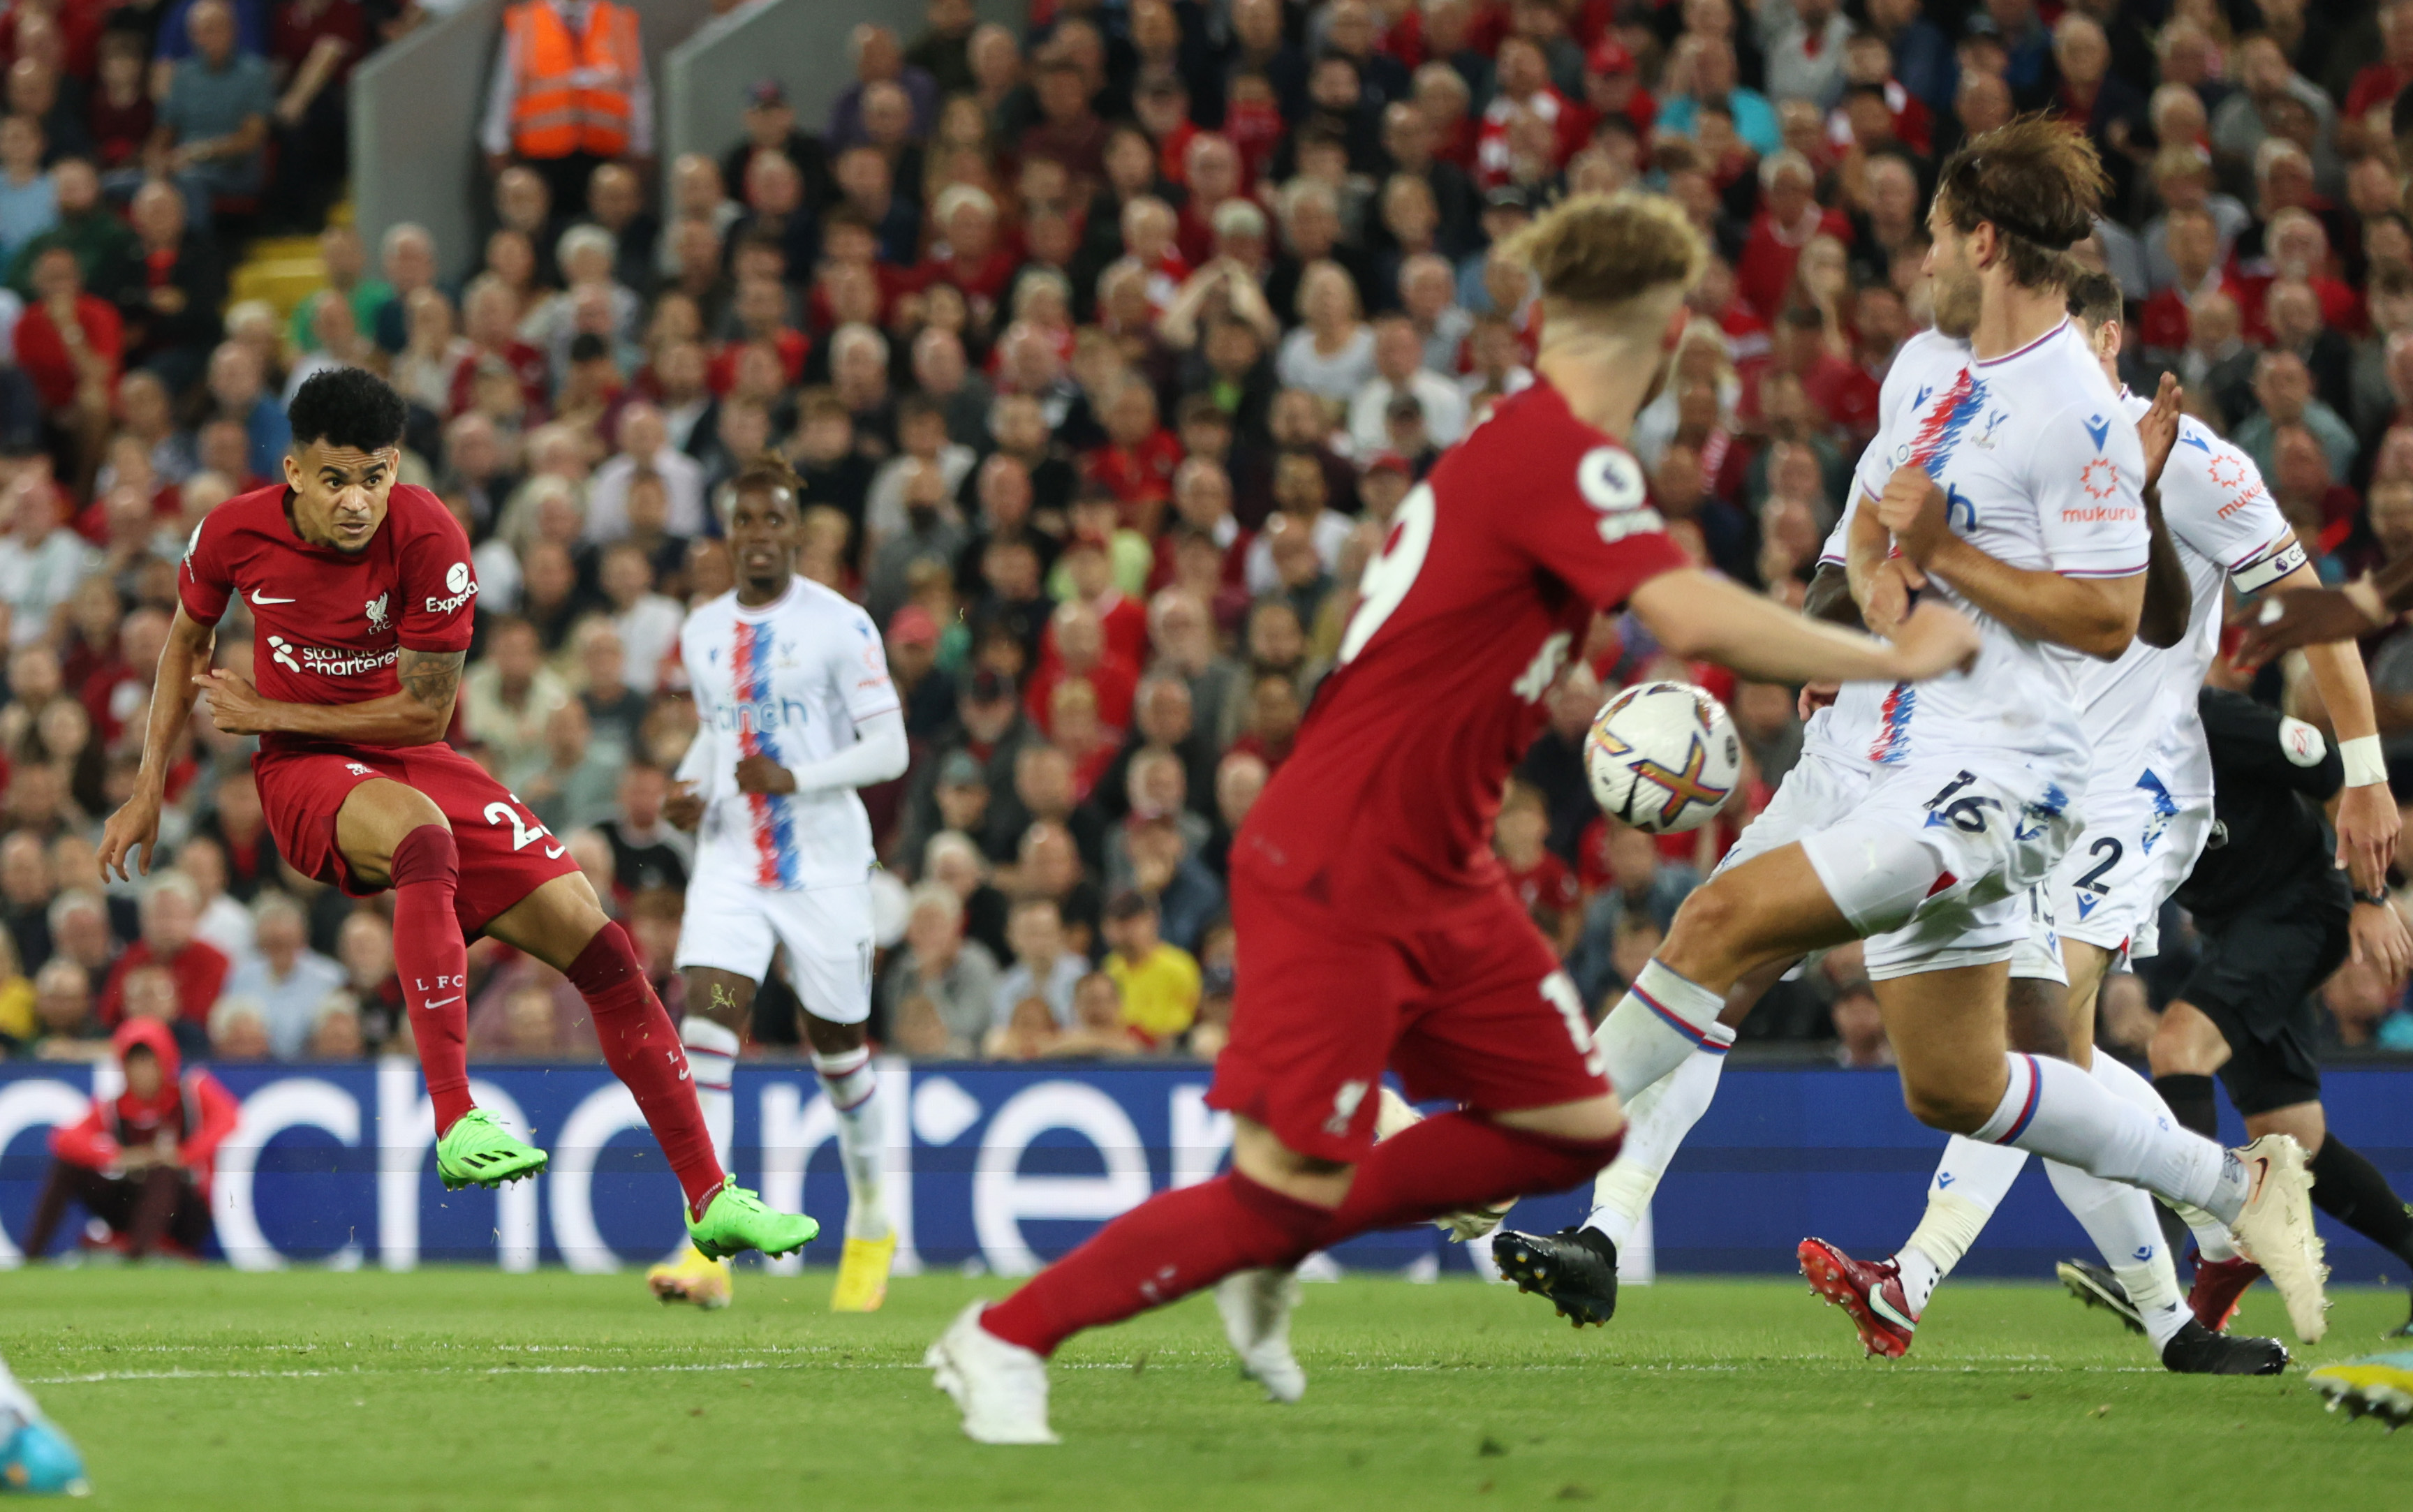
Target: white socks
[2212,1235]
[1654,1027]
[711,1058]
[2119,1220]
[1655,1125]
[1970,1182]
[851,1082]
[2053,1109]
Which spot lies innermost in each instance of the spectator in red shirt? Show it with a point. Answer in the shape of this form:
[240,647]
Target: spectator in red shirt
[1613,86]
[2379,83]
[1074,647]
[760,311]
[490,318]
[141,1161]
[1270,717]
[171,909]
[120,113]
[1069,131]
[1540,880]
[1523,89]
[1789,216]
[970,253]
[1137,462]
[68,343]
[2194,241]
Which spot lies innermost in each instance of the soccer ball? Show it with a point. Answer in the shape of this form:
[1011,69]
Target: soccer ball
[1662,757]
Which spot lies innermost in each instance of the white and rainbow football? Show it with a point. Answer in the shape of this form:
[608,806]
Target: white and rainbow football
[1662,757]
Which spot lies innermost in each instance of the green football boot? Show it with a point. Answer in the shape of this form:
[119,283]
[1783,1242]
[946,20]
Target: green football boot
[479,1152]
[735,1221]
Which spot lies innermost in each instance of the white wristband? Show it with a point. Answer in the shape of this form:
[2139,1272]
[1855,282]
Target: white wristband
[2364,765]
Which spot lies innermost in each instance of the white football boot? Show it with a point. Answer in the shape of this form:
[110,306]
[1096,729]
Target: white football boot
[1002,1389]
[1256,1307]
[2276,1230]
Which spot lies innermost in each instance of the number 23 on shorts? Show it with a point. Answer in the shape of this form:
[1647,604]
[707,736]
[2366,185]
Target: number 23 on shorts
[525,832]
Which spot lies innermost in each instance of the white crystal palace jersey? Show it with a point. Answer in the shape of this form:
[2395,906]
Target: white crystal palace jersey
[2041,470]
[788,680]
[2229,530]
[1846,728]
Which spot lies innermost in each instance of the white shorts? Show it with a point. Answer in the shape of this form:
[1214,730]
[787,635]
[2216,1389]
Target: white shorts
[2037,956]
[1931,864]
[1817,789]
[732,925]
[2140,845]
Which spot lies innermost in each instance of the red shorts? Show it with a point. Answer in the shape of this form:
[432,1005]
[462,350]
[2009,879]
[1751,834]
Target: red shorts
[1468,1004]
[505,853]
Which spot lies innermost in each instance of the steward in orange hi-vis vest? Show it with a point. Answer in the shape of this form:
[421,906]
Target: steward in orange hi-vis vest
[575,91]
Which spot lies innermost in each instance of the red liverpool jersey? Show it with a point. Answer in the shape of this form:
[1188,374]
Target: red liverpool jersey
[1483,587]
[330,624]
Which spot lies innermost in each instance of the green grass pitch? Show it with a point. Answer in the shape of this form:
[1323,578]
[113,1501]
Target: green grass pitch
[458,1390]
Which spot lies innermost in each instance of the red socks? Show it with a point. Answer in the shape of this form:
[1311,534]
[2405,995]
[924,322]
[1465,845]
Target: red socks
[1165,1247]
[1178,1242]
[642,1046]
[432,963]
[1459,1160]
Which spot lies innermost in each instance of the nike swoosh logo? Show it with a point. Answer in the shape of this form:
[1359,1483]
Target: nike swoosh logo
[441,1001]
[2261,1172]
[259,598]
[553,852]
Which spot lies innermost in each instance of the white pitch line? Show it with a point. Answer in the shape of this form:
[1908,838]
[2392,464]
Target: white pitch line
[106,1377]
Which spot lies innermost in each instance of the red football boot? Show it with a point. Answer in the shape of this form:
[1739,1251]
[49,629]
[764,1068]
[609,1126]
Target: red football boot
[1871,1293]
[2219,1285]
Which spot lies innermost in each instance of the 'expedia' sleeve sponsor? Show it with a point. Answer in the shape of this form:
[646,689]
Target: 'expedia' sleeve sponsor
[2086,473]
[439,587]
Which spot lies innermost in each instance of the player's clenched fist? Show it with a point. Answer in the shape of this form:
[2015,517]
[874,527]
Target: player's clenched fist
[761,774]
[235,706]
[1912,506]
[683,807]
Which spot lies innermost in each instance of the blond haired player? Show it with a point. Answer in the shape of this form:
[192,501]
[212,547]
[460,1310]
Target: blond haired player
[1379,930]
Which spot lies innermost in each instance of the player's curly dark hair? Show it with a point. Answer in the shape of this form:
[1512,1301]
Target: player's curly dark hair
[347,407]
[768,473]
[2039,181]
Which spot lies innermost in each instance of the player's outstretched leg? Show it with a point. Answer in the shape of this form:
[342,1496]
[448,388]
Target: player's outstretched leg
[386,827]
[2190,1348]
[36,1459]
[561,925]
[993,1360]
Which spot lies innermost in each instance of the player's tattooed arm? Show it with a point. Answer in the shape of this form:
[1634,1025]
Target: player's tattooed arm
[433,680]
[417,716]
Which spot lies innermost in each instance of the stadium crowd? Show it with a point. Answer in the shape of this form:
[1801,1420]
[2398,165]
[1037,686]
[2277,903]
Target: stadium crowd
[1105,350]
